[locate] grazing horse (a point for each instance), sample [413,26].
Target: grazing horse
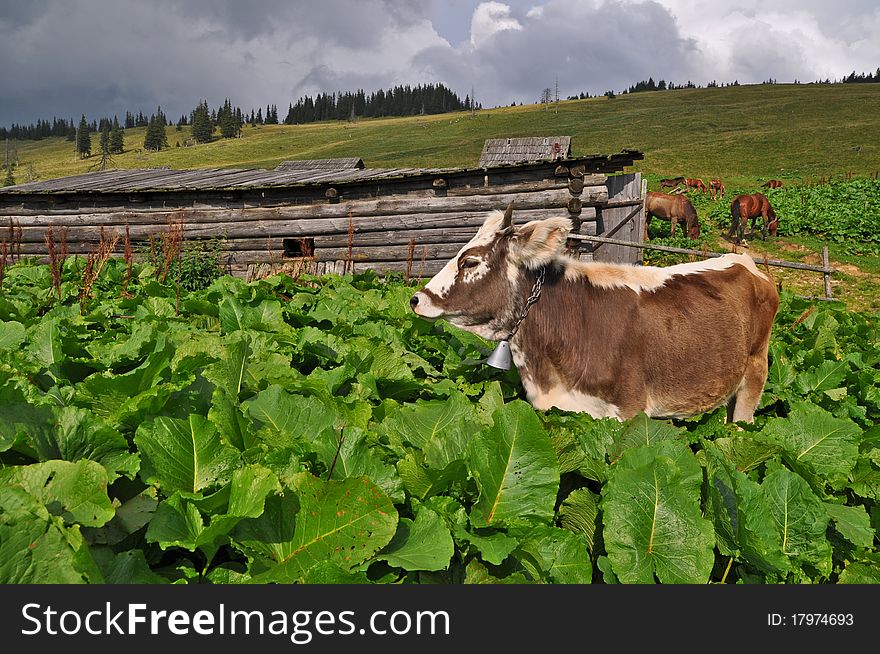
[672,208]
[610,340]
[671,182]
[773,183]
[752,206]
[695,183]
[716,188]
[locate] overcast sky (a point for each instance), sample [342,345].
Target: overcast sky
[103,57]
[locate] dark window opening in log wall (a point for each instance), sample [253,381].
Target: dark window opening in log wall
[299,247]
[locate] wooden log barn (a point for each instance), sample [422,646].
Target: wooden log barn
[333,215]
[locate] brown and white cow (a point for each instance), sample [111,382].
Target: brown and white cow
[612,340]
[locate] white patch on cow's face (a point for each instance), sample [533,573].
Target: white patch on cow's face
[650,278]
[442,282]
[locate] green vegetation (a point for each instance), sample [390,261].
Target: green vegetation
[743,134]
[316,430]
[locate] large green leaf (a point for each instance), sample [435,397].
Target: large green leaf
[800,517]
[178,521]
[12,335]
[229,373]
[860,573]
[45,345]
[265,316]
[515,468]
[579,512]
[75,433]
[652,520]
[343,522]
[821,448]
[75,491]
[36,547]
[355,457]
[440,428]
[554,555]
[421,544]
[745,452]
[184,455]
[286,418]
[744,525]
[826,377]
[640,431]
[853,522]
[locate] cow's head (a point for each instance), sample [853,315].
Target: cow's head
[485,286]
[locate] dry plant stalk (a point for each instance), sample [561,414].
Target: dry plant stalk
[129,256]
[153,253]
[349,261]
[13,242]
[95,261]
[410,252]
[170,247]
[54,264]
[2,261]
[422,264]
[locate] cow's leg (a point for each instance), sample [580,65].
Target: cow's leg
[674,221]
[647,222]
[748,396]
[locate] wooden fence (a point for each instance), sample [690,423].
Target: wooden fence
[825,268]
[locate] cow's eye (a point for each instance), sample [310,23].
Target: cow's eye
[468,262]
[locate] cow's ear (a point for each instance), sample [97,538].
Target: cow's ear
[535,244]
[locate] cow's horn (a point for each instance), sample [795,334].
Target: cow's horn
[508,217]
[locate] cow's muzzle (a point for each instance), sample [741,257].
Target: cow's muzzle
[423,307]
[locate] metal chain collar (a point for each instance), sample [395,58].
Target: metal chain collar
[536,293]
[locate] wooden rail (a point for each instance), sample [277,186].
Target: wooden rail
[825,268]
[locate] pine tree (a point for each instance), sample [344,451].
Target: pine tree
[9,181]
[155,138]
[83,139]
[105,138]
[117,138]
[202,129]
[226,120]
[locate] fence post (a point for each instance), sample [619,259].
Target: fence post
[826,271]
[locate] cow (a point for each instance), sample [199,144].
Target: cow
[606,339]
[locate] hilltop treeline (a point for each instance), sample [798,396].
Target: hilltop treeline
[397,101]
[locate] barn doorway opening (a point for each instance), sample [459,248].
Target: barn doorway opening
[296,248]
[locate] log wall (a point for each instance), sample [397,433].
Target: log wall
[413,227]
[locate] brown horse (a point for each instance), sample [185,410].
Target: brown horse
[752,206]
[773,183]
[671,182]
[716,188]
[672,208]
[695,183]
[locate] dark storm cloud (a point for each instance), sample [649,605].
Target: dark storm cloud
[68,57]
[590,48]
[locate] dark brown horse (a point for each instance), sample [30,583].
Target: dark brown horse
[773,183]
[752,206]
[672,208]
[671,182]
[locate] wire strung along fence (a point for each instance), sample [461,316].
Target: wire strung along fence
[825,268]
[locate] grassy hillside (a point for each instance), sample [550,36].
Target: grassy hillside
[743,134]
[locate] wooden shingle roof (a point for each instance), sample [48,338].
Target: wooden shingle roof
[143,180]
[342,163]
[520,150]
